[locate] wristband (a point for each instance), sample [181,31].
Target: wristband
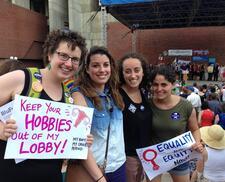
[99,178]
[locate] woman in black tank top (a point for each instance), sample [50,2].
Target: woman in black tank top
[63,50]
[137,114]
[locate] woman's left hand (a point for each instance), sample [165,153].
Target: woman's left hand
[90,140]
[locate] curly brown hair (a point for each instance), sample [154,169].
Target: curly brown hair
[73,39]
[86,84]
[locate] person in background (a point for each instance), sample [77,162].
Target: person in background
[220,118]
[210,71]
[172,116]
[214,103]
[222,93]
[202,72]
[212,167]
[98,88]
[63,50]
[195,86]
[184,92]
[185,71]
[137,114]
[8,65]
[206,116]
[194,99]
[202,94]
[216,70]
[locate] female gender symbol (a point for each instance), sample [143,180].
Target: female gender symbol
[155,166]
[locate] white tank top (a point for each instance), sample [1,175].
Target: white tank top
[214,168]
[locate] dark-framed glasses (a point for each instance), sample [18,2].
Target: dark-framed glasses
[65,57]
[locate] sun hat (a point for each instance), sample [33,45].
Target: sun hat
[213,136]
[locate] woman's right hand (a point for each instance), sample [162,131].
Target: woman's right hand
[9,128]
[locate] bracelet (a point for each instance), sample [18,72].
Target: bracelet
[99,178]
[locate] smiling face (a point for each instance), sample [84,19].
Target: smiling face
[64,69]
[132,72]
[99,70]
[161,87]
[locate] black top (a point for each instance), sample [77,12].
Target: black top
[137,124]
[46,170]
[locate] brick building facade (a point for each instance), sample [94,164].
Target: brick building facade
[22,33]
[152,43]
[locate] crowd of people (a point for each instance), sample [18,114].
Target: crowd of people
[208,101]
[133,106]
[199,71]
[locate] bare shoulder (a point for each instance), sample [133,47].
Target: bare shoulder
[13,74]
[176,99]
[10,84]
[79,98]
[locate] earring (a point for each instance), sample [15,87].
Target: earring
[49,66]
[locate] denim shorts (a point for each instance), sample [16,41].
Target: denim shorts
[180,170]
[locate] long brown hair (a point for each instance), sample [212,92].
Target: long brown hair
[86,84]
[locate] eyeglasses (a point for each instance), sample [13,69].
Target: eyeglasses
[65,57]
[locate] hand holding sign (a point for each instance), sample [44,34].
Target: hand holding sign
[164,156]
[46,130]
[9,128]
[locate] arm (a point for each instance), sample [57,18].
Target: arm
[216,119]
[200,165]
[90,164]
[199,118]
[197,174]
[2,137]
[92,168]
[193,127]
[10,84]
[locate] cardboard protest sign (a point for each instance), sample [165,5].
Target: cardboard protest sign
[48,130]
[5,114]
[6,111]
[164,156]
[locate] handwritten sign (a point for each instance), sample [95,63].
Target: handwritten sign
[164,156]
[6,111]
[5,114]
[48,130]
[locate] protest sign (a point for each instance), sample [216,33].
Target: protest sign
[5,114]
[6,111]
[48,130]
[164,156]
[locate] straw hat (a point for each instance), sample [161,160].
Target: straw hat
[213,136]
